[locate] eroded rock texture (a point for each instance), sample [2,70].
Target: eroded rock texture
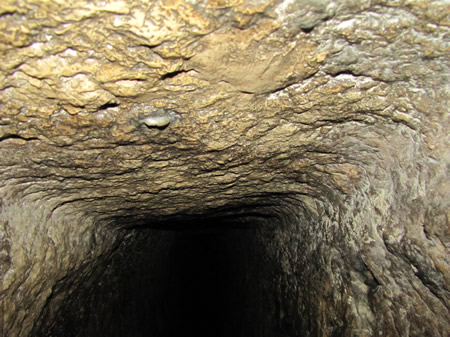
[224,168]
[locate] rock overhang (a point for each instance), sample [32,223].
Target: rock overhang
[327,119]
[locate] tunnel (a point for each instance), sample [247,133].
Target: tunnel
[204,275]
[229,168]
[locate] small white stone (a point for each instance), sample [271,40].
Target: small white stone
[71,52]
[156,121]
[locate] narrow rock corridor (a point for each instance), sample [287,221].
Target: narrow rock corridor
[224,168]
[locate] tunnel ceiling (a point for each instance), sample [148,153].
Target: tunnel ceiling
[120,112]
[262,97]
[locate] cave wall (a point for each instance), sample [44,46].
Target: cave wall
[323,123]
[121,294]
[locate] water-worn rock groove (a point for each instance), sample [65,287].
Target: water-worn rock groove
[263,168]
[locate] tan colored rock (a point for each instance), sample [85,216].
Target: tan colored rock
[297,150]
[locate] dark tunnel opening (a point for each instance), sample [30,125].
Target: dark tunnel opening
[201,284]
[185,278]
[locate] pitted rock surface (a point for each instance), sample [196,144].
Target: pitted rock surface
[325,123]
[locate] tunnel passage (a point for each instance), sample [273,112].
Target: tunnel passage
[115,115]
[196,277]
[284,266]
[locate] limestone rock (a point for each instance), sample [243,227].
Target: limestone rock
[296,149]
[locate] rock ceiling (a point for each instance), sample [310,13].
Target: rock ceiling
[121,112]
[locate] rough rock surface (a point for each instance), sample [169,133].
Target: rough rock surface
[302,144]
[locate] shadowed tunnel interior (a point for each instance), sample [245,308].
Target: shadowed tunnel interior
[203,276]
[264,269]
[203,265]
